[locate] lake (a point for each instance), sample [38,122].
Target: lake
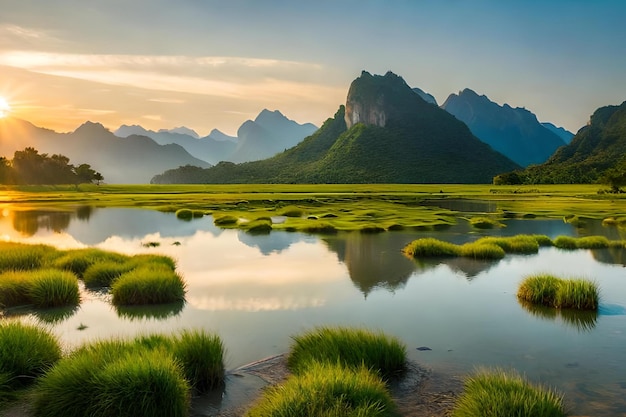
[256,291]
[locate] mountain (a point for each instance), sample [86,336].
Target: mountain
[596,148]
[134,159]
[514,132]
[207,148]
[428,98]
[183,130]
[564,134]
[271,132]
[385,133]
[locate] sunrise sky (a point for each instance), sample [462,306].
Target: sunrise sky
[213,64]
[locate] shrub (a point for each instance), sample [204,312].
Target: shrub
[153,283]
[429,247]
[202,358]
[26,352]
[326,390]
[53,288]
[560,293]
[504,394]
[350,348]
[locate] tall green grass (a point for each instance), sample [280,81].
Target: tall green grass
[431,247]
[524,244]
[202,358]
[79,260]
[26,352]
[351,348]
[483,251]
[43,288]
[150,375]
[153,283]
[23,257]
[326,390]
[506,394]
[565,242]
[548,290]
[104,273]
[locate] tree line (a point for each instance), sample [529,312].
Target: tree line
[29,167]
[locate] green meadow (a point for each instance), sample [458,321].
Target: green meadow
[327,208]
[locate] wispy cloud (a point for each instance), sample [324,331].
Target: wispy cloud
[167,100]
[231,77]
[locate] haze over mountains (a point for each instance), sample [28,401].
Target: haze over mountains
[514,132]
[269,133]
[386,133]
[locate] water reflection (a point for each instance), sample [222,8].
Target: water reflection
[468,267]
[615,256]
[583,321]
[150,312]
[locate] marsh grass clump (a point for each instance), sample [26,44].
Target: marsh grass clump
[503,394]
[321,228]
[430,247]
[23,257]
[202,358]
[26,352]
[43,288]
[545,289]
[523,244]
[291,211]
[592,242]
[142,259]
[53,288]
[114,378]
[482,251]
[184,214]
[351,348]
[485,223]
[259,226]
[543,240]
[153,283]
[104,273]
[326,390]
[565,242]
[225,220]
[79,260]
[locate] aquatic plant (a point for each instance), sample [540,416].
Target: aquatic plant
[348,347]
[225,220]
[24,257]
[501,393]
[524,244]
[592,242]
[14,288]
[184,214]
[430,247]
[327,390]
[53,288]
[151,283]
[104,273]
[565,242]
[484,223]
[291,211]
[26,352]
[78,260]
[483,251]
[551,291]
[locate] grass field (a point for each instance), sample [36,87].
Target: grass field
[339,207]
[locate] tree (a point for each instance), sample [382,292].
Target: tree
[85,174]
[615,177]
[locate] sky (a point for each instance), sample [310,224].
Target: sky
[211,64]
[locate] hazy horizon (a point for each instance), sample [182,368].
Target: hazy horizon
[212,64]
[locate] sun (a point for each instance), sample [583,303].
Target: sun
[5,109]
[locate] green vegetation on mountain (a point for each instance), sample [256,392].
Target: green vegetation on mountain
[385,134]
[596,154]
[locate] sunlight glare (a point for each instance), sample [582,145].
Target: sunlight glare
[4,107]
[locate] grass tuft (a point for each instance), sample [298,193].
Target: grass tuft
[23,257]
[152,283]
[202,358]
[565,242]
[548,290]
[26,352]
[291,211]
[326,390]
[53,288]
[79,260]
[430,247]
[225,220]
[485,223]
[351,348]
[483,251]
[103,274]
[592,242]
[504,394]
[184,214]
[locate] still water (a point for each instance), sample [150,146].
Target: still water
[257,291]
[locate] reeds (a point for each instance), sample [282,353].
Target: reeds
[26,352]
[504,394]
[548,290]
[202,358]
[350,348]
[327,390]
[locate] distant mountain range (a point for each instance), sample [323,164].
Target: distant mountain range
[271,132]
[596,148]
[134,159]
[386,133]
[514,132]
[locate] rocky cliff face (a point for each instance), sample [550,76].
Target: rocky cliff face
[369,100]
